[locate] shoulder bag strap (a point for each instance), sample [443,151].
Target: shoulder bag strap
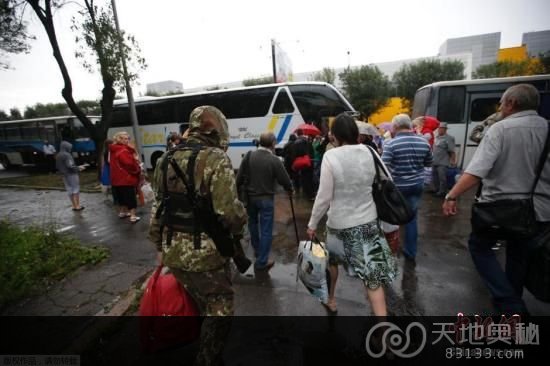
[542,161]
[379,165]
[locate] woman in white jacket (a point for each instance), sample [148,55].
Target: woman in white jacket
[347,174]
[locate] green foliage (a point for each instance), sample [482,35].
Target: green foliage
[4,116]
[531,66]
[367,88]
[39,110]
[32,258]
[15,114]
[99,45]
[258,81]
[327,75]
[13,31]
[410,77]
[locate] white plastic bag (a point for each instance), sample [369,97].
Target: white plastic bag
[148,193]
[335,247]
[388,228]
[313,268]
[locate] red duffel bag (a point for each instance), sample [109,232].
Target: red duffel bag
[301,162]
[169,316]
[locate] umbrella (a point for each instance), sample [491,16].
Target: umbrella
[308,129]
[387,126]
[367,129]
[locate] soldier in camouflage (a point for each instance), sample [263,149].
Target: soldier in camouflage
[204,272]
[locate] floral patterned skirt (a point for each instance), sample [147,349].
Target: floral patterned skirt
[367,252]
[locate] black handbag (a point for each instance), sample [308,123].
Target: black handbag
[391,206]
[538,266]
[509,218]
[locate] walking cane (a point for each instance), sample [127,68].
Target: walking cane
[294,218]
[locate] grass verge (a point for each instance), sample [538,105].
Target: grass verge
[33,258]
[88,181]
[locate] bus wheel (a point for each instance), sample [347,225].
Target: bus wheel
[156,155]
[4,161]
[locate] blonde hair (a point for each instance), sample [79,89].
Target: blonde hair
[117,138]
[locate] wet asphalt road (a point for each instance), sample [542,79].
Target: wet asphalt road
[443,281]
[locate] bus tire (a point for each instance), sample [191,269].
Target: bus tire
[5,161]
[155,157]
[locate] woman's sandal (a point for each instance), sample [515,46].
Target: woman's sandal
[135,219]
[330,307]
[124,215]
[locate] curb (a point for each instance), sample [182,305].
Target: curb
[117,308]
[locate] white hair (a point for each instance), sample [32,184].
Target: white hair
[402,121]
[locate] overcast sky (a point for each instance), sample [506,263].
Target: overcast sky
[215,41]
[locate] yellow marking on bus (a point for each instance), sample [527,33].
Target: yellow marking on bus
[272,123]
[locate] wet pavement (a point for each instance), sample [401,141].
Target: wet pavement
[443,281]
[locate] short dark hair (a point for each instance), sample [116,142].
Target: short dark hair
[344,129]
[267,139]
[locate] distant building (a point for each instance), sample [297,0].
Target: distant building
[536,42]
[483,47]
[165,87]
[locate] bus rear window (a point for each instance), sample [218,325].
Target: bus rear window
[450,107]
[317,101]
[421,99]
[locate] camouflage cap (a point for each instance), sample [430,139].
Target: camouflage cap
[214,129]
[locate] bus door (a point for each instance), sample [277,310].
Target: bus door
[479,107]
[285,116]
[451,105]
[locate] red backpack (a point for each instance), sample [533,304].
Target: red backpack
[169,314]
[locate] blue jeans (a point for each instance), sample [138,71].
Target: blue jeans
[412,194]
[261,237]
[506,286]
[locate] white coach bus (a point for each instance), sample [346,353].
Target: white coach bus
[463,104]
[279,108]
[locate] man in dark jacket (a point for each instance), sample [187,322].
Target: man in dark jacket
[264,170]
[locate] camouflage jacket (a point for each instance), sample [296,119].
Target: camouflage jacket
[214,179]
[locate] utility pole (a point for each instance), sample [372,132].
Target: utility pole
[129,93]
[273,60]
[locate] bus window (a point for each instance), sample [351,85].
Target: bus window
[311,99]
[12,132]
[421,99]
[451,104]
[46,130]
[121,117]
[483,108]
[544,107]
[29,131]
[283,103]
[79,131]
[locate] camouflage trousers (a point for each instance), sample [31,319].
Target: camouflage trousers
[213,294]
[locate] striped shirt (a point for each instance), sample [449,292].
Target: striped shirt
[406,155]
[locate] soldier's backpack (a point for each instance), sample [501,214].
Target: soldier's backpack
[187,211]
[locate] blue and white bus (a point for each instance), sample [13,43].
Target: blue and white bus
[250,111]
[22,141]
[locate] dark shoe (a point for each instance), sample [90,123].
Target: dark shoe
[79,208]
[267,267]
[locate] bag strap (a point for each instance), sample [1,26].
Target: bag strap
[246,168]
[190,188]
[378,164]
[542,161]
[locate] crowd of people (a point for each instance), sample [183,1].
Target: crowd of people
[337,173]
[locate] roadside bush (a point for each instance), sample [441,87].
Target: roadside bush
[33,258]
